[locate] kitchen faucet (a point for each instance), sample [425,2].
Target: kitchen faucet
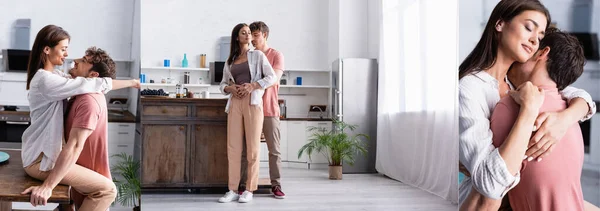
[317,107]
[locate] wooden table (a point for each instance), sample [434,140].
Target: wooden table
[14,180]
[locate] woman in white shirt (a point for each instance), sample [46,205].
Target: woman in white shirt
[512,34]
[245,76]
[43,154]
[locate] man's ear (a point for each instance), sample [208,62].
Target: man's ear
[543,53]
[93,74]
[266,35]
[499,25]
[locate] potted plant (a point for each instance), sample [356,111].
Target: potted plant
[336,144]
[128,184]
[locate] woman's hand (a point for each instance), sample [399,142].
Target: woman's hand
[233,90]
[552,127]
[246,89]
[528,96]
[135,83]
[39,194]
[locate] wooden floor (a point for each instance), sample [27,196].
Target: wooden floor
[311,190]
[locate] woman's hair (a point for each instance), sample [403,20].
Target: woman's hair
[234,50]
[48,36]
[485,52]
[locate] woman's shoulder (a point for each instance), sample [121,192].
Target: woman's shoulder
[255,53]
[476,79]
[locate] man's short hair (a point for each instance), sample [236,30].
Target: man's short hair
[259,26]
[565,59]
[101,62]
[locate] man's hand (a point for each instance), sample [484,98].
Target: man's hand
[39,194]
[551,127]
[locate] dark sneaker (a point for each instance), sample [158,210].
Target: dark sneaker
[277,192]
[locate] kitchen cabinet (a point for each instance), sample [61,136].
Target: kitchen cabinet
[184,143]
[164,154]
[121,138]
[207,163]
[296,138]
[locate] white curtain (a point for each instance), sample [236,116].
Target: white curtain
[417,133]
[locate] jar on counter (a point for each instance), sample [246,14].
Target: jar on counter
[178,91]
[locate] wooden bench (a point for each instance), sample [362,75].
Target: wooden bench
[14,180]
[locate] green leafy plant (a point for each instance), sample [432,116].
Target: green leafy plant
[335,144]
[128,186]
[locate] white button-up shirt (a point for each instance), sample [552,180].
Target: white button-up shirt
[47,92]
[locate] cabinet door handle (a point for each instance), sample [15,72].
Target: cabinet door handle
[181,128]
[123,133]
[121,145]
[123,125]
[164,110]
[324,123]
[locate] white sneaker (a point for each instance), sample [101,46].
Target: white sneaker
[245,197]
[229,196]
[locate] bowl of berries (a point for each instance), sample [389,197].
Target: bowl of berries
[154,93]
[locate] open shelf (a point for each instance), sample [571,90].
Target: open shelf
[308,70]
[305,86]
[171,85]
[175,68]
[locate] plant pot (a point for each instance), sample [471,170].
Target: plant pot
[137,208]
[335,172]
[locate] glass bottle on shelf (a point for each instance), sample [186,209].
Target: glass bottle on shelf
[283,80]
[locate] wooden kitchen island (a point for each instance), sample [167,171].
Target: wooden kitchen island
[184,143]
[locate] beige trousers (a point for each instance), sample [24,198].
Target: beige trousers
[100,191]
[272,136]
[243,121]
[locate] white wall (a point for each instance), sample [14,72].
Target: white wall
[298,29]
[103,23]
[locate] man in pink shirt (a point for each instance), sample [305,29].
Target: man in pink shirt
[260,34]
[89,111]
[553,183]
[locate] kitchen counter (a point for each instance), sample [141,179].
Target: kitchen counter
[120,116]
[20,113]
[305,119]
